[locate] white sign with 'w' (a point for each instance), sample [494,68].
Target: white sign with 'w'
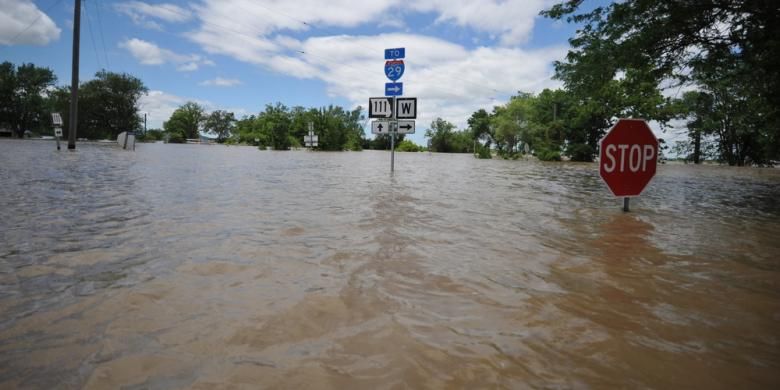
[406,108]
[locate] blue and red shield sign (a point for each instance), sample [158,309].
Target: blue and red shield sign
[394,69]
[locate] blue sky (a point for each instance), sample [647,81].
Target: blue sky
[239,55]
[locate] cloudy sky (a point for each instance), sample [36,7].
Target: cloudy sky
[239,55]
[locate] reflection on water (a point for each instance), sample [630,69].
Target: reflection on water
[179,266]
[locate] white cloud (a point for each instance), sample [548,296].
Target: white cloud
[22,23]
[513,21]
[450,80]
[159,105]
[141,13]
[221,82]
[148,53]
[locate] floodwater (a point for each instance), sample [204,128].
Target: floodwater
[188,266]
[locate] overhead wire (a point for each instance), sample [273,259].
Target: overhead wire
[40,14]
[100,31]
[91,35]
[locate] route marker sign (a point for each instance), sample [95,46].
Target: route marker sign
[405,127]
[380,127]
[380,107]
[394,69]
[628,155]
[406,108]
[394,54]
[394,89]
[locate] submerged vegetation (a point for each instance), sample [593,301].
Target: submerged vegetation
[622,62]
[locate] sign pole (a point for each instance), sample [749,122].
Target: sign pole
[625,204]
[392,149]
[74,84]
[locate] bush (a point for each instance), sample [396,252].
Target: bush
[580,152]
[548,155]
[483,152]
[407,146]
[176,138]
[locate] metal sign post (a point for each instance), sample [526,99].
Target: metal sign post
[393,109]
[311,140]
[56,121]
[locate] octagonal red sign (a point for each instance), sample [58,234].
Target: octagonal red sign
[628,155]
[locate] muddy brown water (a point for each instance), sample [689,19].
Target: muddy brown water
[187,266]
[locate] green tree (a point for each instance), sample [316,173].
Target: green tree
[221,123]
[23,92]
[704,43]
[479,125]
[408,146]
[108,105]
[444,138]
[186,121]
[274,124]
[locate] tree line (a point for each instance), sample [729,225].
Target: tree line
[108,104]
[722,56]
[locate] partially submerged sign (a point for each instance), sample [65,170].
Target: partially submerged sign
[628,155]
[380,107]
[380,127]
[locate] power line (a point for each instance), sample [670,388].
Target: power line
[100,30]
[40,14]
[91,35]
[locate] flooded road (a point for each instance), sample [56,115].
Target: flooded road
[187,266]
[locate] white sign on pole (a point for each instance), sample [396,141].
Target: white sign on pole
[380,127]
[406,108]
[405,127]
[57,132]
[381,107]
[56,119]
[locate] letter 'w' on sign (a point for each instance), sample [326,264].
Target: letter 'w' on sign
[406,108]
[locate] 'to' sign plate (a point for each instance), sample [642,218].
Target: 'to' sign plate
[394,69]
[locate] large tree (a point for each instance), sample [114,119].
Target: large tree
[220,123]
[186,121]
[23,93]
[108,105]
[649,42]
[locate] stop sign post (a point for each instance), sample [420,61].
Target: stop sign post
[628,155]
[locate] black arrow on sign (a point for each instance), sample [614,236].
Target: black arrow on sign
[407,127]
[379,127]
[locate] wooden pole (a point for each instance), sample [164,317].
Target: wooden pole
[74,83]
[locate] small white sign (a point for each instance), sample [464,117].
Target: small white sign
[406,108]
[381,107]
[56,119]
[311,138]
[405,127]
[58,132]
[380,127]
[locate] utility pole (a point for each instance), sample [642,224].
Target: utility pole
[144,123]
[74,83]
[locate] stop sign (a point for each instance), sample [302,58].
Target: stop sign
[628,154]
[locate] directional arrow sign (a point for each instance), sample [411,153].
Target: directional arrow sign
[380,107]
[394,69]
[405,127]
[380,127]
[394,89]
[406,108]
